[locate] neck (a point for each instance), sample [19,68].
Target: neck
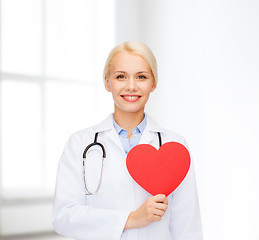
[128,120]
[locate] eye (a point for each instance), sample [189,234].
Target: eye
[142,77]
[120,77]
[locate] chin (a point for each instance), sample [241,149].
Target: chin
[134,110]
[130,110]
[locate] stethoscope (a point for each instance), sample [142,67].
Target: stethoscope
[95,143]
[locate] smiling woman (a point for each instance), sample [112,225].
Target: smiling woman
[120,208]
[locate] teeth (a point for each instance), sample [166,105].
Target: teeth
[131,97]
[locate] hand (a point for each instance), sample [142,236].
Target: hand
[150,211]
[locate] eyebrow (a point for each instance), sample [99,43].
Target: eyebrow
[125,72]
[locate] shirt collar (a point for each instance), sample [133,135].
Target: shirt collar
[140,127]
[107,125]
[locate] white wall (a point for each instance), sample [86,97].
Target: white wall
[208,58]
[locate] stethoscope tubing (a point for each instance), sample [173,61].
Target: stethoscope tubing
[95,143]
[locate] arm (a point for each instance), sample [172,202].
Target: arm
[71,216]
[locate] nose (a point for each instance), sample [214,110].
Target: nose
[132,84]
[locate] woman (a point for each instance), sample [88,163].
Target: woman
[119,207]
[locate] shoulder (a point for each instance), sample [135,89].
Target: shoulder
[171,136]
[166,134]
[87,134]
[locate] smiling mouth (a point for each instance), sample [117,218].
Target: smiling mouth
[131,98]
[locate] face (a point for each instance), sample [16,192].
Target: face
[130,81]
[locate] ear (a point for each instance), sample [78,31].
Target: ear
[106,84]
[153,87]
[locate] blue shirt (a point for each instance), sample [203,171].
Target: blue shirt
[135,137]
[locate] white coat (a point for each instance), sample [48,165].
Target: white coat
[103,216]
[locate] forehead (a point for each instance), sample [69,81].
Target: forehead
[128,61]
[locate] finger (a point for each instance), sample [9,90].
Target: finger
[160,206]
[161,198]
[159,212]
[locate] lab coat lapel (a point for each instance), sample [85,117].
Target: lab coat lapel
[151,128]
[113,135]
[107,126]
[147,136]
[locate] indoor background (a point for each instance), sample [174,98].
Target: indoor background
[52,54]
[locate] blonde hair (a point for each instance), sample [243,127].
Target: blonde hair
[133,47]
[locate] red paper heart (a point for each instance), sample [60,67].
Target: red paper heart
[158,171]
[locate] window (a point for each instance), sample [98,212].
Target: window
[52,55]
